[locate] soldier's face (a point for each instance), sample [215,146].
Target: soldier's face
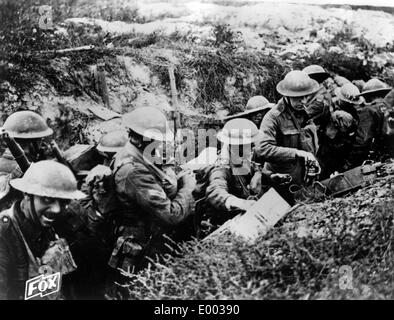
[31,147]
[257,118]
[299,103]
[48,209]
[240,151]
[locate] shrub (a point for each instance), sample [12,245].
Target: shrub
[353,234]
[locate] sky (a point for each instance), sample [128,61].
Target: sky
[384,3]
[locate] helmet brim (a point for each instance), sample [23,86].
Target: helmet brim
[108,149]
[157,135]
[249,112]
[208,156]
[382,91]
[222,137]
[341,97]
[38,190]
[319,76]
[31,135]
[289,93]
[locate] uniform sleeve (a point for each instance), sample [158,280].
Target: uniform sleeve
[267,148]
[316,108]
[217,190]
[4,263]
[319,109]
[368,129]
[141,186]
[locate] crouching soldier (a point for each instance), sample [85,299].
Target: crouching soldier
[28,129]
[235,183]
[289,141]
[151,205]
[369,143]
[28,244]
[336,139]
[320,104]
[97,184]
[110,143]
[256,108]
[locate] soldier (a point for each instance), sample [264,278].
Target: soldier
[347,98]
[28,129]
[319,107]
[374,92]
[28,244]
[97,182]
[369,136]
[150,203]
[110,143]
[289,142]
[235,182]
[335,141]
[255,110]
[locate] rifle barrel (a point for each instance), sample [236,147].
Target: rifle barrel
[17,152]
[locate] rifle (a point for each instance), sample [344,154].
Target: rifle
[60,158]
[175,113]
[16,150]
[340,184]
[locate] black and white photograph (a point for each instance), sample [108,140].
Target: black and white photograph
[210,151]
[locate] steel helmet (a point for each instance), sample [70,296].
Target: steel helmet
[255,104]
[207,157]
[316,72]
[239,131]
[48,178]
[26,125]
[375,86]
[112,141]
[297,84]
[340,81]
[359,84]
[349,93]
[149,122]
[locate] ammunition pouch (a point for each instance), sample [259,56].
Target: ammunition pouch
[58,256]
[125,254]
[128,250]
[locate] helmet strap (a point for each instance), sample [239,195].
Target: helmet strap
[33,209]
[291,108]
[135,139]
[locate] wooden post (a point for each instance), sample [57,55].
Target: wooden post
[102,83]
[175,113]
[174,94]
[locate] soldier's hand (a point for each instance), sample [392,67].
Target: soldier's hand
[280,178]
[255,184]
[306,156]
[342,120]
[98,173]
[335,173]
[187,179]
[234,203]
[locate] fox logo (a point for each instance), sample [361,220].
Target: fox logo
[42,285]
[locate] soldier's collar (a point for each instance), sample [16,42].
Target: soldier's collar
[31,231]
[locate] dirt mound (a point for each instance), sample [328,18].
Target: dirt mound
[222,55]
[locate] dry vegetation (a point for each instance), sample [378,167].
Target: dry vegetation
[217,67]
